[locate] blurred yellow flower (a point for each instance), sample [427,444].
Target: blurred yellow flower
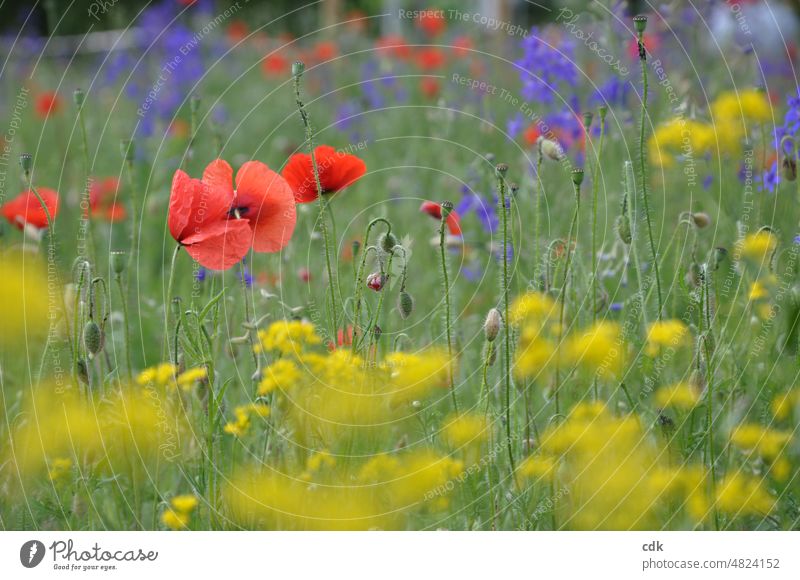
[666,334]
[280,375]
[681,396]
[597,349]
[288,337]
[742,106]
[24,296]
[758,247]
[739,494]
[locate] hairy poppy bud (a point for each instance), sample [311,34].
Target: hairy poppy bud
[492,324]
[550,149]
[447,208]
[356,246]
[26,162]
[501,169]
[92,337]
[719,256]
[701,219]
[789,169]
[492,352]
[577,176]
[128,148]
[79,97]
[514,188]
[376,281]
[118,262]
[405,304]
[387,242]
[623,228]
[298,68]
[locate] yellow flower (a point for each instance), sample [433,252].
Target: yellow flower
[175,520]
[187,379]
[288,337]
[60,469]
[536,467]
[160,375]
[783,405]
[533,356]
[241,423]
[680,136]
[666,334]
[758,247]
[280,375]
[413,376]
[466,431]
[532,307]
[316,460]
[747,105]
[184,503]
[768,443]
[740,495]
[681,396]
[24,296]
[598,349]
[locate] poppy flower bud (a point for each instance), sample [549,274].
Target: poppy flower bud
[26,162]
[298,68]
[587,119]
[92,337]
[550,149]
[701,219]
[492,324]
[376,281]
[789,169]
[640,23]
[603,110]
[514,188]
[356,247]
[719,256]
[82,371]
[127,147]
[194,104]
[577,176]
[118,262]
[405,304]
[447,208]
[501,169]
[387,242]
[79,97]
[623,228]
[377,332]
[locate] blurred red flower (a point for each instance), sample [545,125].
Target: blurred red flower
[434,210]
[429,59]
[393,45]
[26,209]
[276,65]
[48,103]
[337,170]
[432,22]
[103,200]
[430,87]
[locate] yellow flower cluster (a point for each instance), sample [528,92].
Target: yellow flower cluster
[287,337]
[747,105]
[768,444]
[165,375]
[381,494]
[177,516]
[757,247]
[24,297]
[241,423]
[682,396]
[666,334]
[618,476]
[783,405]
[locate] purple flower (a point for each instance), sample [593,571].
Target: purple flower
[546,69]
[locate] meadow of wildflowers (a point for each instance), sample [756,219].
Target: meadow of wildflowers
[413,268]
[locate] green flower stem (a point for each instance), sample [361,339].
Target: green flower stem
[322,204]
[447,321]
[643,176]
[504,289]
[85,217]
[126,323]
[537,203]
[358,290]
[168,300]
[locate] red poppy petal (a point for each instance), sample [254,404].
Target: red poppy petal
[347,170]
[220,244]
[299,174]
[181,200]
[454,223]
[270,203]
[219,174]
[431,208]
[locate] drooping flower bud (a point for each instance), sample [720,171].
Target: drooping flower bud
[92,338]
[376,281]
[492,324]
[387,242]
[789,169]
[701,219]
[405,304]
[82,371]
[719,256]
[513,188]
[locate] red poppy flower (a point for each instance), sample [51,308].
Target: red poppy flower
[103,200]
[26,209]
[432,22]
[435,210]
[430,87]
[393,45]
[325,51]
[531,134]
[429,59]
[337,170]
[47,104]
[217,224]
[237,31]
[344,338]
[651,44]
[275,65]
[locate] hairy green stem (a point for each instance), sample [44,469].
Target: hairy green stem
[447,321]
